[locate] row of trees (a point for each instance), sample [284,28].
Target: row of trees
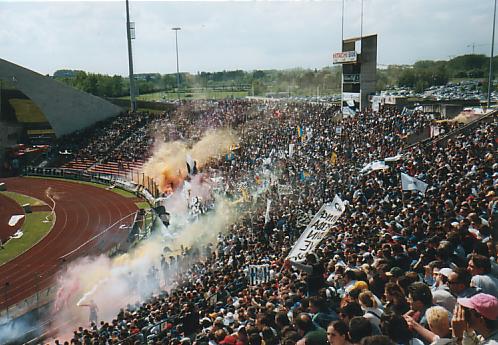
[259,82]
[325,81]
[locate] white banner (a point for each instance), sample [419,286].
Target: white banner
[259,274]
[317,229]
[267,213]
[393,158]
[373,166]
[412,183]
[291,150]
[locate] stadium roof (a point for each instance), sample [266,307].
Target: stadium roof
[354,39]
[65,108]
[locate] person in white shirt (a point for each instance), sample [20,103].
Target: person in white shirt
[369,304]
[480,268]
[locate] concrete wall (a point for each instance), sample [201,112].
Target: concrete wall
[368,75]
[366,67]
[65,108]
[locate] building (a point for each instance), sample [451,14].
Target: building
[359,71]
[35,108]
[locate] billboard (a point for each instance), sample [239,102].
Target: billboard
[344,57]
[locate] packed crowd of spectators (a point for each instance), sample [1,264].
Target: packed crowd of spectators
[125,137]
[397,268]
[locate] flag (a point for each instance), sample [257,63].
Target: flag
[245,194]
[267,213]
[304,175]
[191,165]
[259,274]
[299,132]
[373,166]
[291,150]
[309,132]
[333,158]
[412,183]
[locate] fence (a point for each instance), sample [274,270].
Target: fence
[131,181]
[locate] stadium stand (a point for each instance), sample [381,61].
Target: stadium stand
[405,264]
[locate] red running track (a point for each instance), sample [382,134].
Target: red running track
[82,211]
[8,208]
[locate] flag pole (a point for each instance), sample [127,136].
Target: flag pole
[402,192]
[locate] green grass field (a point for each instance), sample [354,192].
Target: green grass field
[34,230]
[142,204]
[22,199]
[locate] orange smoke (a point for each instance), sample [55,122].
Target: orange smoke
[168,163]
[169,181]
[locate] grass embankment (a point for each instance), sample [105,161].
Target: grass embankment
[35,228]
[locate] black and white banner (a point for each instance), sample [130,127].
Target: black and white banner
[259,274]
[317,229]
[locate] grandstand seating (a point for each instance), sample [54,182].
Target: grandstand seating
[80,164]
[117,168]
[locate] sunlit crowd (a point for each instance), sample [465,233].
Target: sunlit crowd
[398,267]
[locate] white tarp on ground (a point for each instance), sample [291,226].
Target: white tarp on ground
[15,219]
[18,234]
[317,229]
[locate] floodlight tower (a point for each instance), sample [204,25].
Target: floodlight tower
[130,34]
[490,77]
[177,64]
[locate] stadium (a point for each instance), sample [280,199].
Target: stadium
[370,219]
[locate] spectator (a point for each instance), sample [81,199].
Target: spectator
[476,316]
[337,333]
[420,299]
[311,334]
[359,328]
[480,268]
[459,283]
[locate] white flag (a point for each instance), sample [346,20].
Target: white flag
[373,166]
[291,150]
[190,164]
[412,183]
[267,213]
[317,229]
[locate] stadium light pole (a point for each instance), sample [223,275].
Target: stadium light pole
[133,102]
[177,63]
[490,78]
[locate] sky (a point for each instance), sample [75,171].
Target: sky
[228,35]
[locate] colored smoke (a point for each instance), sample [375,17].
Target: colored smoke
[168,165]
